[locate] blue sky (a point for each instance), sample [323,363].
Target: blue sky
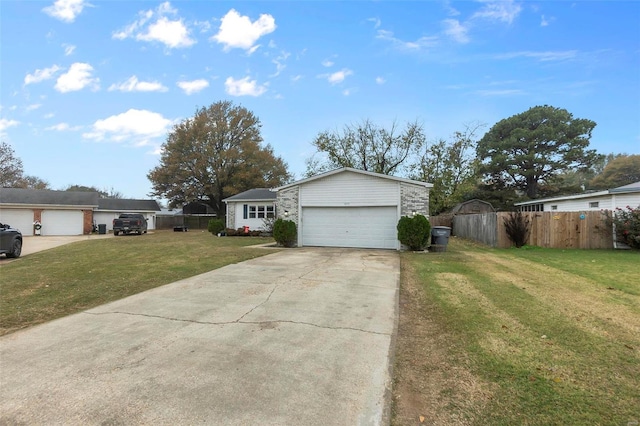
[89,89]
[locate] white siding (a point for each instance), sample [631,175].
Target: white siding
[605,202]
[350,189]
[21,219]
[252,223]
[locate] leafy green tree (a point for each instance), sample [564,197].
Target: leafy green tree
[527,151]
[451,167]
[366,146]
[12,174]
[104,193]
[217,153]
[621,170]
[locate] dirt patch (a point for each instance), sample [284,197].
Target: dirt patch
[430,387]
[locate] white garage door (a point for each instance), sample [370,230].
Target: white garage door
[363,227]
[18,218]
[62,222]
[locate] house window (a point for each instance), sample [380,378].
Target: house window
[554,207]
[259,212]
[594,204]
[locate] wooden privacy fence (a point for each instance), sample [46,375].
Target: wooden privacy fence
[192,222]
[581,230]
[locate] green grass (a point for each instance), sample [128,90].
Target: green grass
[78,276]
[554,333]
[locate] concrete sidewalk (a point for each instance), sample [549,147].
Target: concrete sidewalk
[301,336]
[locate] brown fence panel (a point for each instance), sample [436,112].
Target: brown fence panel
[580,230]
[441,220]
[478,227]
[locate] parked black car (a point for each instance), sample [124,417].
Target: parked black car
[10,241]
[130,222]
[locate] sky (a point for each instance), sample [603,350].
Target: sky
[90,89]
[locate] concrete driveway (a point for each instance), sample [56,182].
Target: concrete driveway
[298,337]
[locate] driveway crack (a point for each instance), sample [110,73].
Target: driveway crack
[238,321]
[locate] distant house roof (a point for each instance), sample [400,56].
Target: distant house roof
[44,197]
[632,187]
[257,194]
[363,172]
[169,212]
[123,204]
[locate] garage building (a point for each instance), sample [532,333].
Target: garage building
[351,208]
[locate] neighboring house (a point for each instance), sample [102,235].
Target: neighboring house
[110,208]
[64,212]
[59,212]
[351,208]
[250,208]
[621,197]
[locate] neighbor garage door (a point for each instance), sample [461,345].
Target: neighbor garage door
[62,222]
[364,227]
[18,218]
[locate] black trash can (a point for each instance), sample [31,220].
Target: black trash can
[102,228]
[440,238]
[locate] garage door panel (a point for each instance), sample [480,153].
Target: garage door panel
[62,222]
[21,219]
[362,227]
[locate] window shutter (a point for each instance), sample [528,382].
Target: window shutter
[246,209]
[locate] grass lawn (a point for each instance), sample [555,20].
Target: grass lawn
[531,336]
[78,276]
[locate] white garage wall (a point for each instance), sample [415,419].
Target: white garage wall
[350,189]
[18,218]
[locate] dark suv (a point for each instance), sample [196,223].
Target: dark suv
[10,241]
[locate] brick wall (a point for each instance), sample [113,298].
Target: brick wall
[288,201]
[87,224]
[414,198]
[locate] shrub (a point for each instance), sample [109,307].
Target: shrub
[626,224]
[215,226]
[414,231]
[517,228]
[285,232]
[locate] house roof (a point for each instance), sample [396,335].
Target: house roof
[128,205]
[632,187]
[44,197]
[363,172]
[257,194]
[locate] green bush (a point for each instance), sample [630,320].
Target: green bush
[517,228]
[627,225]
[414,231]
[215,226]
[285,232]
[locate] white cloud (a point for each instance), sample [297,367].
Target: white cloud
[296,78]
[194,86]
[244,87]
[61,127]
[49,115]
[153,25]
[77,78]
[136,126]
[503,92]
[5,124]
[327,63]
[280,63]
[238,31]
[501,10]
[68,49]
[544,21]
[338,76]
[172,33]
[132,84]
[65,10]
[419,44]
[41,75]
[376,22]
[541,56]
[346,92]
[456,30]
[380,80]
[32,107]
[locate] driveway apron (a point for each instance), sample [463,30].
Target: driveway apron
[298,337]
